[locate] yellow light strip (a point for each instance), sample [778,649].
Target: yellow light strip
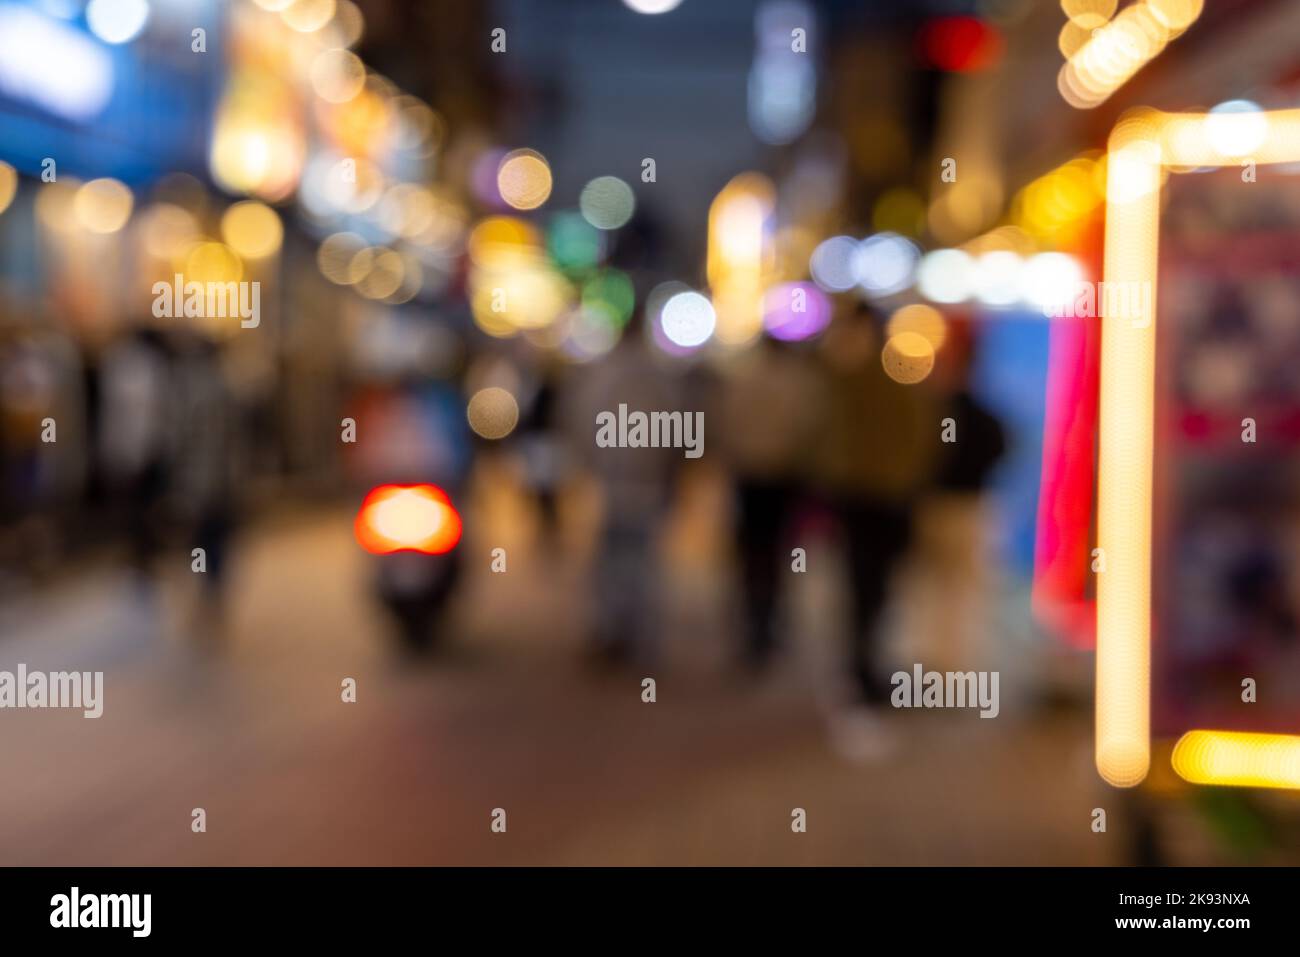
[1238,759]
[1141,147]
[1126,425]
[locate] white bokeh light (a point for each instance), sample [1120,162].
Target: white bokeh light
[652,6]
[946,275]
[885,263]
[997,278]
[688,319]
[607,202]
[117,21]
[1050,282]
[831,263]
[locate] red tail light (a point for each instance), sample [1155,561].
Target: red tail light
[412,518]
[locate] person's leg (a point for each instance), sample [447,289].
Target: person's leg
[213,535]
[641,574]
[145,506]
[877,537]
[762,510]
[625,577]
[548,512]
[604,631]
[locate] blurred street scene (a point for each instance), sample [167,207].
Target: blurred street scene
[542,432]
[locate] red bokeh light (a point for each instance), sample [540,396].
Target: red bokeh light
[959,44]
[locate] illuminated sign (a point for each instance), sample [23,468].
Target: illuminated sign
[1143,149]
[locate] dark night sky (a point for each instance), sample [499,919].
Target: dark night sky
[619,87]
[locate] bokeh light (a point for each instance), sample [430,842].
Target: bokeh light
[908,357]
[998,278]
[524,179]
[925,321]
[688,319]
[493,413]
[1103,56]
[407,209]
[1056,207]
[946,275]
[412,280]
[55,204]
[377,272]
[337,75]
[1176,15]
[117,21]
[652,6]
[335,255]
[960,44]
[167,231]
[607,202]
[257,144]
[418,127]
[517,298]
[348,24]
[502,241]
[609,294]
[885,263]
[589,335]
[1072,38]
[1051,282]
[308,16]
[572,242]
[831,264]
[8,185]
[795,310]
[213,262]
[252,229]
[418,518]
[1088,14]
[103,205]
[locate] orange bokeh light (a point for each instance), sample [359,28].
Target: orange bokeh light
[407,518]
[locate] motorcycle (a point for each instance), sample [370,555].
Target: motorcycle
[413,531]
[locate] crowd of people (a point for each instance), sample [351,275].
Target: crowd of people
[811,435]
[154,439]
